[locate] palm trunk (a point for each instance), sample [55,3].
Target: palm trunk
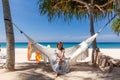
[94,45]
[92,24]
[92,31]
[118,7]
[10,60]
[119,4]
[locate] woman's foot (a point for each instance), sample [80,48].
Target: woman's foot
[56,75]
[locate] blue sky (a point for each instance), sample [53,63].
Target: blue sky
[25,15]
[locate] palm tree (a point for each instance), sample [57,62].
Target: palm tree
[94,9]
[10,60]
[116,23]
[116,26]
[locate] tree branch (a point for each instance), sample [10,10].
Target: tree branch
[81,2]
[54,7]
[81,6]
[99,8]
[106,3]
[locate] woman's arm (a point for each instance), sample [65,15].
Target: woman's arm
[62,54]
[57,56]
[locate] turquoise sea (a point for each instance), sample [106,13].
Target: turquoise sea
[66,44]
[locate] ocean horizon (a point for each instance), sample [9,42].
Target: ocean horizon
[66,44]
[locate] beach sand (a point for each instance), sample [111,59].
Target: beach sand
[31,70]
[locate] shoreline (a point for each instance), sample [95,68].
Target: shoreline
[66,44]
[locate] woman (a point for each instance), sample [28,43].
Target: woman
[59,52]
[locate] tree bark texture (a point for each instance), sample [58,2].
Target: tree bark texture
[10,60]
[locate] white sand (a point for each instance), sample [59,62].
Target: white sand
[21,53]
[114,53]
[25,70]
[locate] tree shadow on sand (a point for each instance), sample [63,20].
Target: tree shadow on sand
[34,71]
[25,66]
[77,72]
[83,67]
[85,71]
[80,71]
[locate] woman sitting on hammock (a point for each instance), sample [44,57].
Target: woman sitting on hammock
[59,52]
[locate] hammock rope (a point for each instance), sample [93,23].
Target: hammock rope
[101,29]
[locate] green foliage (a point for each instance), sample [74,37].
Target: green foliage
[116,26]
[116,6]
[68,9]
[60,9]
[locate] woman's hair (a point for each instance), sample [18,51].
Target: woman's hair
[61,45]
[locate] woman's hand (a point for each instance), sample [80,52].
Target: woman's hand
[61,59]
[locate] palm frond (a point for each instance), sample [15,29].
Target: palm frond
[116,26]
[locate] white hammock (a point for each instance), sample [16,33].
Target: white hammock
[71,54]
